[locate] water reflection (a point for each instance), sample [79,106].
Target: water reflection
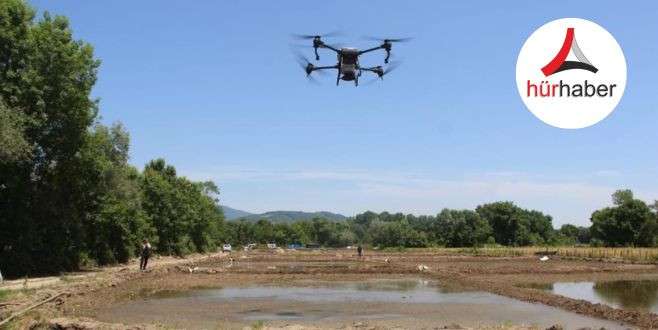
[636,294]
[316,301]
[392,291]
[630,294]
[390,285]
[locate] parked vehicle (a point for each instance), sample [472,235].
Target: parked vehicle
[227,248]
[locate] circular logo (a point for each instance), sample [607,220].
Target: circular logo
[571,73]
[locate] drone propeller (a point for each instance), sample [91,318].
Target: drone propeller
[317,41]
[381,72]
[317,36]
[388,40]
[334,45]
[308,67]
[305,64]
[387,44]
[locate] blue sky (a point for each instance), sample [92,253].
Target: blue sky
[212,87]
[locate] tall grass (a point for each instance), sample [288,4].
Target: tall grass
[4,294]
[627,253]
[648,255]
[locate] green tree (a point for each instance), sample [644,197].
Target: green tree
[116,222]
[513,225]
[160,201]
[462,228]
[67,192]
[622,196]
[569,230]
[13,144]
[185,214]
[45,81]
[396,234]
[240,232]
[629,222]
[303,232]
[263,231]
[505,221]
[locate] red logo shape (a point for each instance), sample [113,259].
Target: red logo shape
[559,62]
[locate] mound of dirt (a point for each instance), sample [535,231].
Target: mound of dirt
[63,323]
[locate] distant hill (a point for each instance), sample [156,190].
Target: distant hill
[280,216]
[231,213]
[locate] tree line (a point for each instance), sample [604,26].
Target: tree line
[629,222]
[501,223]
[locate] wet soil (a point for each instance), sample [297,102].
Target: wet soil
[500,276]
[409,303]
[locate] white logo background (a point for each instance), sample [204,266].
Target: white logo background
[600,48]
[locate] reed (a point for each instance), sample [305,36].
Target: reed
[633,254]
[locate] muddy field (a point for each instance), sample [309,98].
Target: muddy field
[336,289]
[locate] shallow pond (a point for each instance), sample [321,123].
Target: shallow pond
[413,303]
[634,294]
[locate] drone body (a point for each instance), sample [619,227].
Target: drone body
[348,68]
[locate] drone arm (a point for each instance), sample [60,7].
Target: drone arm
[370,49]
[320,44]
[329,47]
[385,46]
[325,67]
[372,69]
[376,70]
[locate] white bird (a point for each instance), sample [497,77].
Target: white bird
[544,258]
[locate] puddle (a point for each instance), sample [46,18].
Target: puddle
[416,303]
[382,291]
[634,295]
[390,291]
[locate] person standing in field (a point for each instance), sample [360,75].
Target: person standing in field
[359,251]
[145,254]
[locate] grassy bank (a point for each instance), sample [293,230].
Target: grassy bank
[645,255]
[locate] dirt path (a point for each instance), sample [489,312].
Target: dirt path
[133,265]
[27,292]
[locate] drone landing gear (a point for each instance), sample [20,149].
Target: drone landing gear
[387,48]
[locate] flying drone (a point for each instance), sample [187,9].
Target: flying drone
[348,67]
